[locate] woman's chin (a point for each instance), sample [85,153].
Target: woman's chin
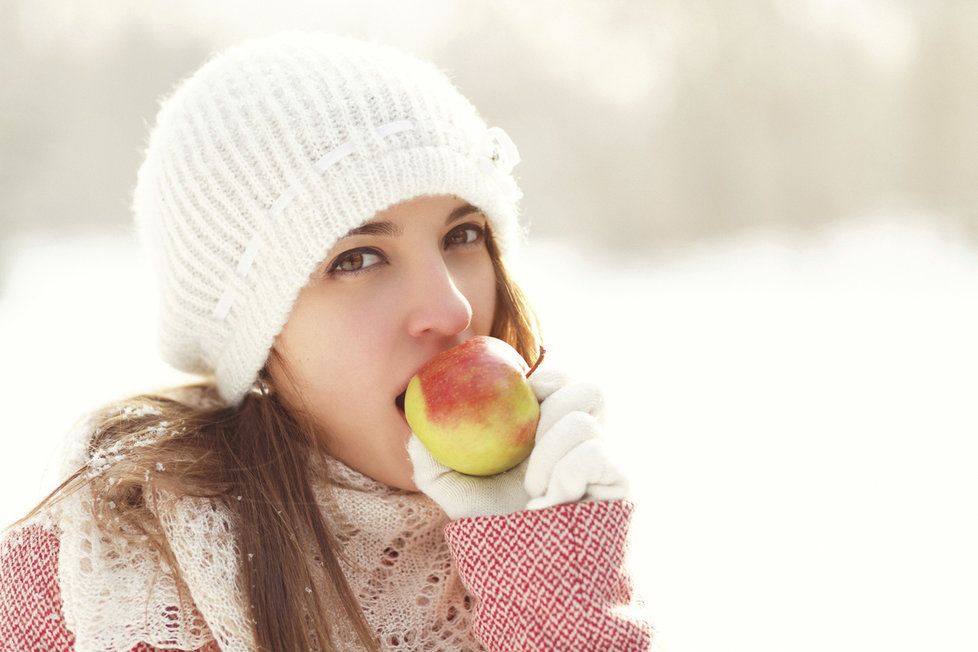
[405,484]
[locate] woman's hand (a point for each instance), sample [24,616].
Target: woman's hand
[462,495]
[567,464]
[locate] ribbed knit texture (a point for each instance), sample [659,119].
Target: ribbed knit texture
[268,154]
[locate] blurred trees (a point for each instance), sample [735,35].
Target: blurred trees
[640,124]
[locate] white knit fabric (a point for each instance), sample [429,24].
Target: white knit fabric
[396,560]
[273,150]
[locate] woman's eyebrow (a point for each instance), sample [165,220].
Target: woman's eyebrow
[389,229]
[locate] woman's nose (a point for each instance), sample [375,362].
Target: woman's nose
[437,304]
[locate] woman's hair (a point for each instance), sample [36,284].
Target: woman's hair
[255,459]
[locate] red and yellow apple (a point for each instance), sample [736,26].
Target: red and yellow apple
[473,408]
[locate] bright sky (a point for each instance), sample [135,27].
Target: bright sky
[797,418]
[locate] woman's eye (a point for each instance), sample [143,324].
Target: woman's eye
[353,262]
[462,231]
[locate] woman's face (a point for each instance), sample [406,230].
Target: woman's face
[414,281]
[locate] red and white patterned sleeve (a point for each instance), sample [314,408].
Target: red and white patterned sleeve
[551,579]
[30,598]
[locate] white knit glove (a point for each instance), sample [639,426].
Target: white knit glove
[462,495]
[567,463]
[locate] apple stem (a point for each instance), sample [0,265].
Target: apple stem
[537,363]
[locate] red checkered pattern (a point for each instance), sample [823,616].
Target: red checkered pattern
[550,579]
[30,600]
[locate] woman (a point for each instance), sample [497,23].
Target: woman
[325,215]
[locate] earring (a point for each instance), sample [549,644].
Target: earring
[261,387]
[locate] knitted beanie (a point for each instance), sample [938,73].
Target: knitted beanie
[261,160]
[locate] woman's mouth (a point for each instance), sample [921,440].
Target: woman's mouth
[399,404]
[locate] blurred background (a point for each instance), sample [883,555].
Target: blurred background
[754,223]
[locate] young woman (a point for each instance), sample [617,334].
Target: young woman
[325,215]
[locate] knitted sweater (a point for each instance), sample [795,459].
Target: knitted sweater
[551,579]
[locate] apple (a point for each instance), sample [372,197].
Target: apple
[473,408]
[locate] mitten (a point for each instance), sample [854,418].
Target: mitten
[462,495]
[569,462]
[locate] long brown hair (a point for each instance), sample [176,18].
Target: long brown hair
[255,459]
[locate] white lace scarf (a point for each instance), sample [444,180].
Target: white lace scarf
[401,571]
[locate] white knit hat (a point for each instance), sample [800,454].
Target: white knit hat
[273,150]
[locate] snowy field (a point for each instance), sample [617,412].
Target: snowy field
[797,416]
